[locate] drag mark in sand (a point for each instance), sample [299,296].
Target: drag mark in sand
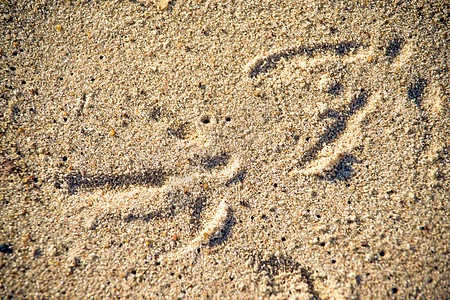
[347,109]
[161,197]
[328,157]
[215,224]
[170,198]
[263,63]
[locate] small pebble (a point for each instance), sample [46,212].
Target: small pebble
[258,93]
[91,223]
[72,261]
[163,4]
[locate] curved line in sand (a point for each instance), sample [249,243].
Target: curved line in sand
[347,142]
[214,225]
[262,62]
[219,218]
[135,196]
[328,157]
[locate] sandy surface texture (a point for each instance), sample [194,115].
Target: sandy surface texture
[224,149]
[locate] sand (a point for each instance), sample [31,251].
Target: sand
[214,149]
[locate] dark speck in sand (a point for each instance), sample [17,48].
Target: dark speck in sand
[394,48]
[5,248]
[415,91]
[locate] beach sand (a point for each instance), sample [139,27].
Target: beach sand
[215,149]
